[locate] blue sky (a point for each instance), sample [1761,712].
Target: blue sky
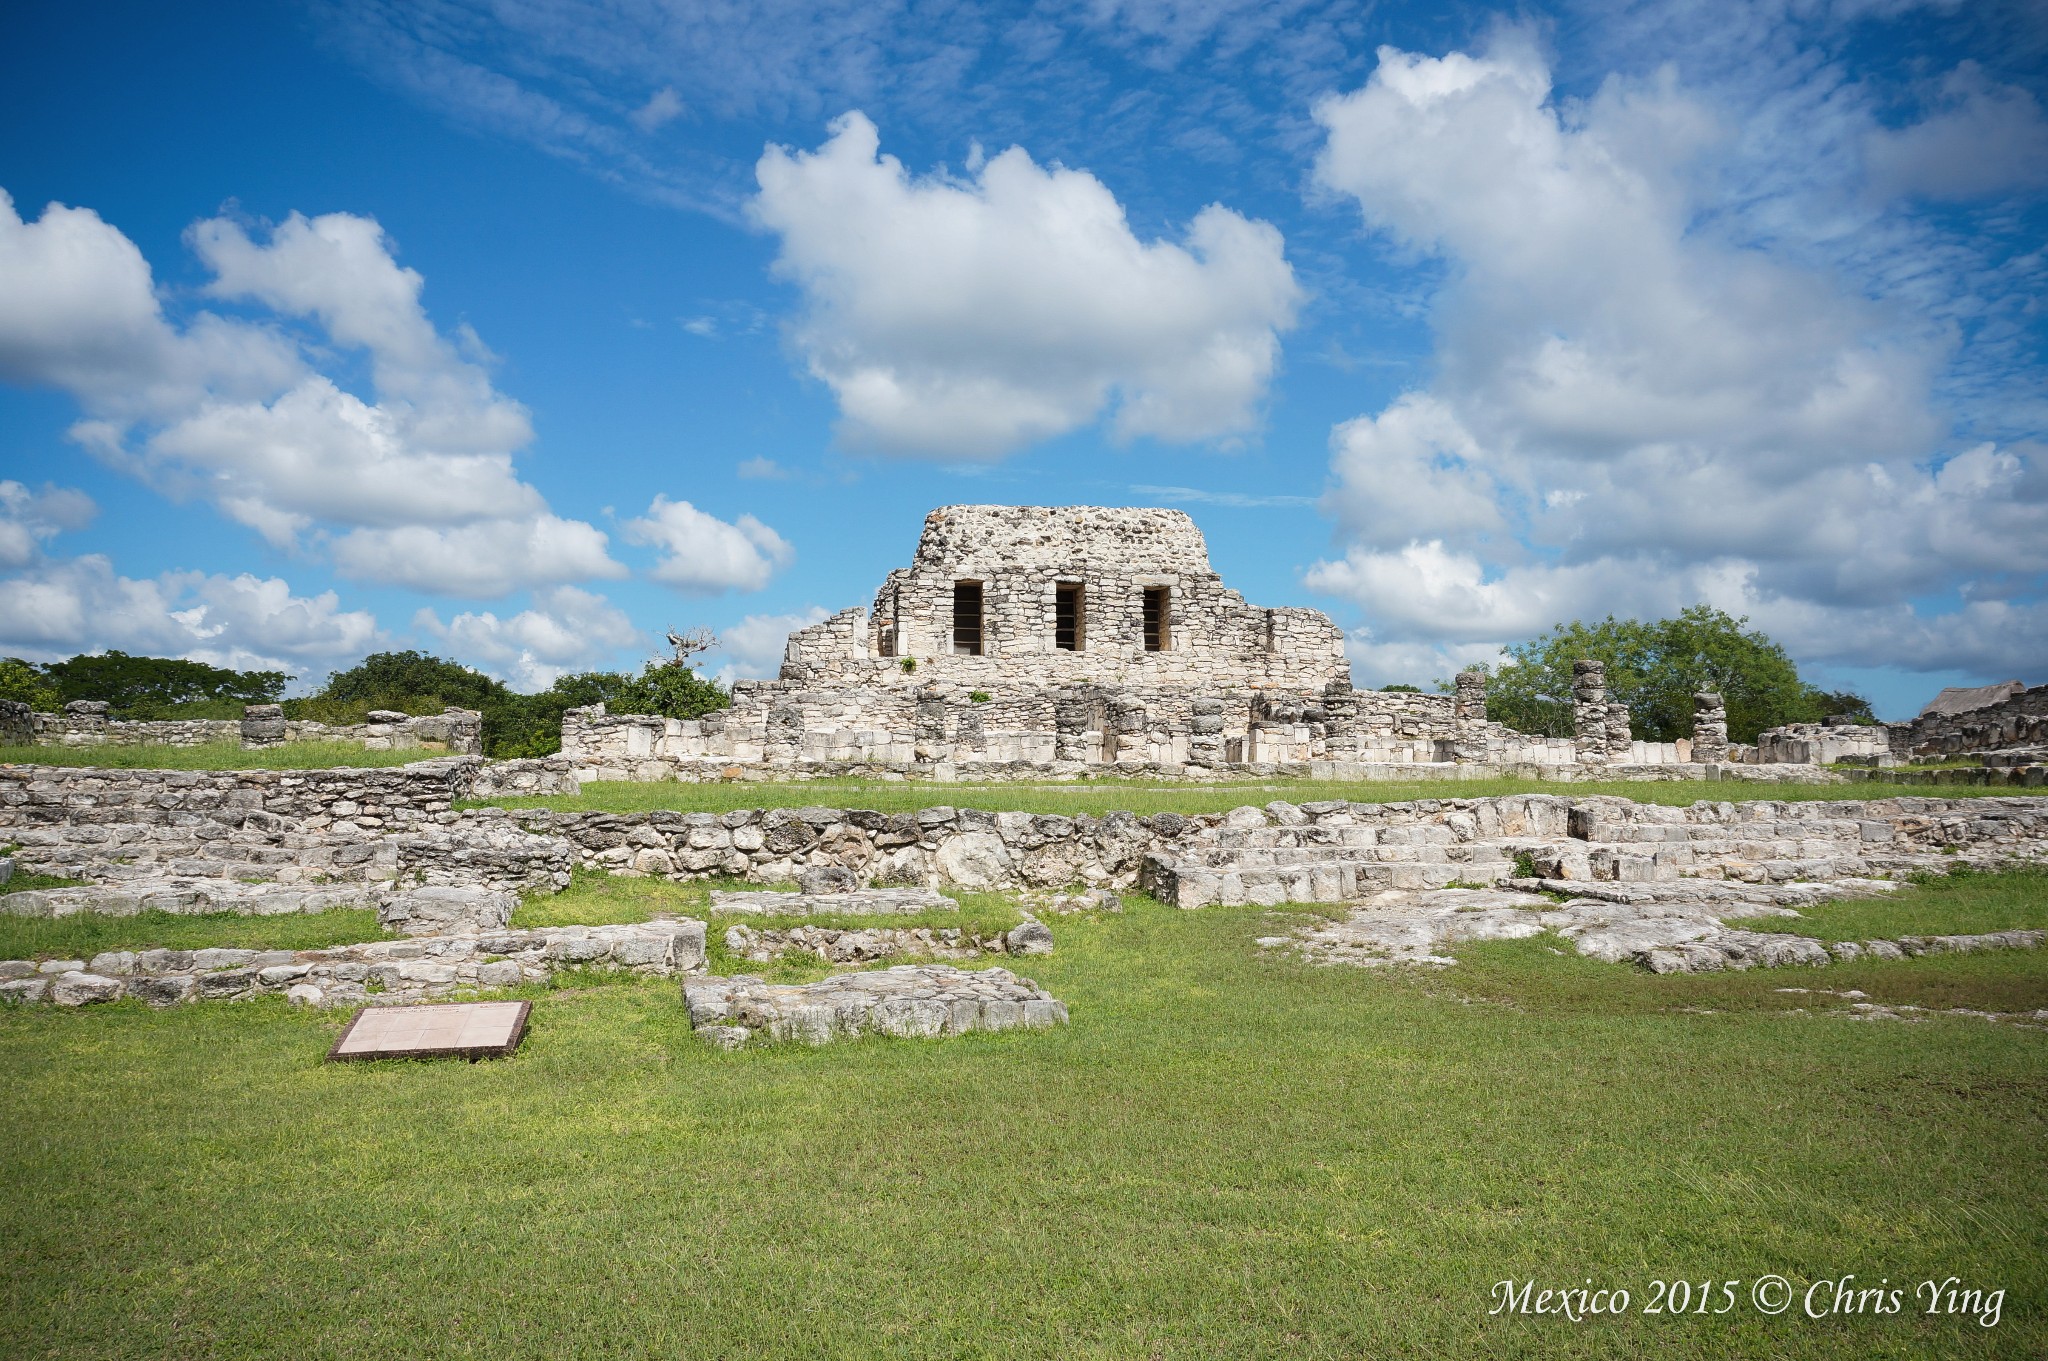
[520,332]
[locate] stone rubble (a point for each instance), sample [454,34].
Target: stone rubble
[417,970]
[871,902]
[920,1001]
[1676,933]
[860,945]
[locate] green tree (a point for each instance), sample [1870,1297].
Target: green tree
[25,683]
[1655,668]
[161,687]
[389,680]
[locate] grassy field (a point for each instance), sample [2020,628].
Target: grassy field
[1964,901]
[215,756]
[1226,1154]
[84,936]
[1137,796]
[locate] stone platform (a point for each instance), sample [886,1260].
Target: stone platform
[1677,932]
[920,1001]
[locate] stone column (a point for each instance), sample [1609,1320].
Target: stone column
[1071,711]
[1205,732]
[465,730]
[1709,727]
[1127,724]
[17,723]
[86,715]
[786,732]
[1619,739]
[262,726]
[1340,718]
[1589,711]
[1468,717]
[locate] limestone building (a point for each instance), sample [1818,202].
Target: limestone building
[1048,596]
[1046,638]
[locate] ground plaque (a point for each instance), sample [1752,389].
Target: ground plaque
[471,1030]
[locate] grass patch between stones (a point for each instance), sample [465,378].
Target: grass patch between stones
[86,934]
[216,756]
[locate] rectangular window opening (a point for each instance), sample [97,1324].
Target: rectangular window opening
[1158,620]
[1070,619]
[967,618]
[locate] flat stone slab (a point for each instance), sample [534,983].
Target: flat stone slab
[471,1030]
[923,1001]
[420,969]
[188,897]
[866,902]
[1685,934]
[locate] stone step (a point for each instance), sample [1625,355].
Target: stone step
[188,897]
[1182,884]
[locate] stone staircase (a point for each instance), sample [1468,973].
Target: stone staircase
[1324,853]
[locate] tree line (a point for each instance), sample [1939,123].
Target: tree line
[411,682]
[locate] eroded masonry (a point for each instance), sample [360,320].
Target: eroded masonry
[1030,641]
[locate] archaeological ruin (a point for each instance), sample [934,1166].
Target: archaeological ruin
[1059,641]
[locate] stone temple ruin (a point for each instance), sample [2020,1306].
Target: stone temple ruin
[1055,641]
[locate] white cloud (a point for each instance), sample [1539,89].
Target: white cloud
[478,560]
[59,608]
[704,555]
[1981,138]
[663,106]
[1635,410]
[563,630]
[27,518]
[965,318]
[762,469]
[239,412]
[753,647]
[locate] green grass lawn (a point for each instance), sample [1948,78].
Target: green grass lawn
[216,756]
[1226,1154]
[83,936]
[1138,796]
[1961,902]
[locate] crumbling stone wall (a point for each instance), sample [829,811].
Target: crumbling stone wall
[1021,556]
[2018,723]
[85,723]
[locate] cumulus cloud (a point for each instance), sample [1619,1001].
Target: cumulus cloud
[1980,138]
[704,555]
[28,518]
[563,630]
[477,560]
[62,607]
[967,317]
[1633,411]
[240,412]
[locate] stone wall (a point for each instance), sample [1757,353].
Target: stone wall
[1822,743]
[85,723]
[1454,838]
[2019,723]
[1021,556]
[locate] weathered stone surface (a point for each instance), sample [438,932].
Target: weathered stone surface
[1030,938]
[1671,931]
[416,969]
[76,989]
[442,910]
[863,902]
[908,1000]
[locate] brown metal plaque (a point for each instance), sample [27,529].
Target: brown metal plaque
[471,1030]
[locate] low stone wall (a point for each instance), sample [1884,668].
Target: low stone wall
[2019,722]
[386,972]
[364,799]
[1472,838]
[86,723]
